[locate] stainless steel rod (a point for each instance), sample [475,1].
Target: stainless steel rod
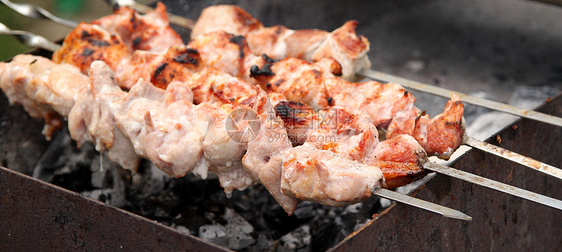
[514,157]
[409,200]
[36,12]
[478,180]
[30,39]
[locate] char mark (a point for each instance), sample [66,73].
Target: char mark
[185,58]
[87,52]
[268,59]
[136,41]
[265,70]
[241,42]
[85,34]
[293,113]
[98,43]
[159,69]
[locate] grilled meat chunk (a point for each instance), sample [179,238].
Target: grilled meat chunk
[279,42]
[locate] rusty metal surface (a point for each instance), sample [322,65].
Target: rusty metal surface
[500,222]
[36,216]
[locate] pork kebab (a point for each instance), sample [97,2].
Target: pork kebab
[390,106]
[178,136]
[181,63]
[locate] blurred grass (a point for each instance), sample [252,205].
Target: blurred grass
[79,10]
[9,45]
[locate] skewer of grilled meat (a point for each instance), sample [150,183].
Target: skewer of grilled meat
[390,106]
[222,91]
[313,84]
[178,136]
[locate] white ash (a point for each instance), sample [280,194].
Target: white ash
[488,122]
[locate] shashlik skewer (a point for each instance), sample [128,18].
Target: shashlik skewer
[154,123]
[229,12]
[296,79]
[86,101]
[279,42]
[76,39]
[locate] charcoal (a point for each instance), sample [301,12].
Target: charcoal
[62,157]
[325,233]
[297,240]
[263,243]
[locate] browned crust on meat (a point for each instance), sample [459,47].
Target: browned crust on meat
[85,44]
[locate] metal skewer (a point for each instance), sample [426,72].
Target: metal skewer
[402,198]
[481,145]
[30,39]
[514,157]
[36,12]
[492,184]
